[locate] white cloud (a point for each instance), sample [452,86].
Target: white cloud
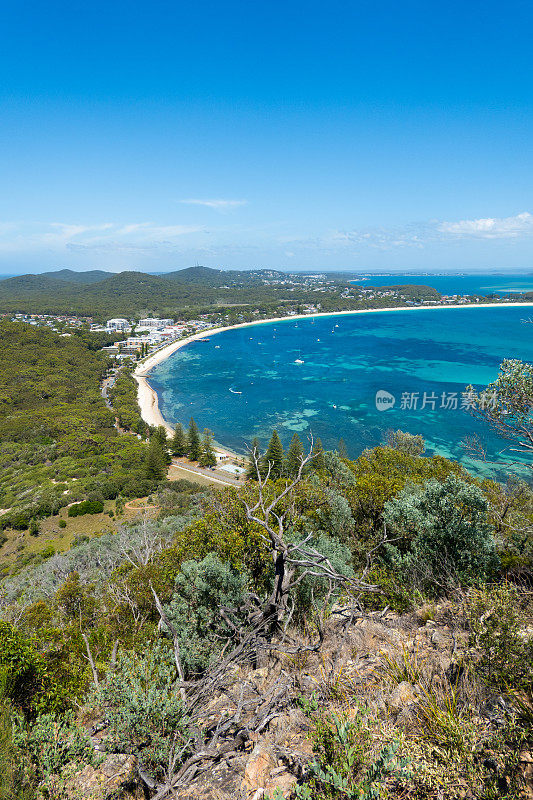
[58,236]
[218,205]
[491,227]
[64,232]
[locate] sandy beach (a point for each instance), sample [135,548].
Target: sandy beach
[147,397]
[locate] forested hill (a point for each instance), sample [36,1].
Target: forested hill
[184,293]
[58,442]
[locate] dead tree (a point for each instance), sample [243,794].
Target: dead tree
[267,631]
[295,561]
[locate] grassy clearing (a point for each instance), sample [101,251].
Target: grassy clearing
[21,546]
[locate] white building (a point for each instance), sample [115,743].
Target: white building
[152,322]
[117,324]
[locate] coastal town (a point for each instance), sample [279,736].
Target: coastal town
[135,338]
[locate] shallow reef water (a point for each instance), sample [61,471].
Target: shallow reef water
[350,377]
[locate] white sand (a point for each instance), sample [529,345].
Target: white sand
[147,397]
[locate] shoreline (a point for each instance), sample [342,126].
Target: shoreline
[148,400]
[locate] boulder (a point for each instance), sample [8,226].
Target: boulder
[403,695]
[525,766]
[258,768]
[115,779]
[262,775]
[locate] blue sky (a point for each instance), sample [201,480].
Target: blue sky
[353,135]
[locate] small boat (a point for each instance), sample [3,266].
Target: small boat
[202,340]
[217,347]
[234,391]
[299,361]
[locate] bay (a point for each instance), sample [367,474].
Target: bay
[321,375]
[477,284]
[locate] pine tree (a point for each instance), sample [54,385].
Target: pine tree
[274,456]
[254,462]
[161,435]
[294,456]
[193,441]
[155,460]
[318,461]
[178,443]
[207,454]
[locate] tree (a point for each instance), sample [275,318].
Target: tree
[445,529]
[155,461]
[273,461]
[161,434]
[507,406]
[207,454]
[193,441]
[295,454]
[411,445]
[318,462]
[343,452]
[252,469]
[178,443]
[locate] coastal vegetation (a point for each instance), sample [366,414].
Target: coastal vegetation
[361,628]
[58,440]
[230,296]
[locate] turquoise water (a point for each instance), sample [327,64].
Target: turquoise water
[245,382]
[482,284]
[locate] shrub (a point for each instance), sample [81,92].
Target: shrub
[347,765]
[28,683]
[406,443]
[50,744]
[62,523]
[7,753]
[445,530]
[501,652]
[144,709]
[201,588]
[86,507]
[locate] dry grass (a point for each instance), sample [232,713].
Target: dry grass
[20,544]
[408,667]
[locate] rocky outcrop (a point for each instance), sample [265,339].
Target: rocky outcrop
[115,779]
[263,775]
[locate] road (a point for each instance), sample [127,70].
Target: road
[212,476]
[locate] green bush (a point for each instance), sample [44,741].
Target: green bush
[444,533]
[86,507]
[500,649]
[347,765]
[62,523]
[49,745]
[7,753]
[144,709]
[29,685]
[201,588]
